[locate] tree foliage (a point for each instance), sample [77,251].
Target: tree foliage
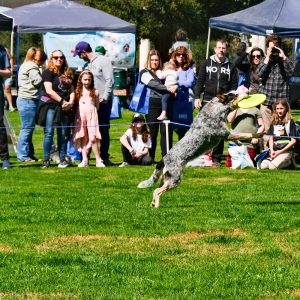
[158,20]
[155,19]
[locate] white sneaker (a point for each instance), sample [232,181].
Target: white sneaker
[83,164]
[64,164]
[123,164]
[100,164]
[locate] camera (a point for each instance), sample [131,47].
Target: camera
[274,54]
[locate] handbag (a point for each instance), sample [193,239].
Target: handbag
[182,109]
[72,152]
[262,155]
[140,98]
[116,112]
[240,157]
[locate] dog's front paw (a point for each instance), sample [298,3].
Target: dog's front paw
[145,184]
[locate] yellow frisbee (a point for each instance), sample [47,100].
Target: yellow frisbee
[252,101]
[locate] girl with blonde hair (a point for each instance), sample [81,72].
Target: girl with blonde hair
[281,140]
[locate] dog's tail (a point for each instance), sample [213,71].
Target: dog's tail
[154,177]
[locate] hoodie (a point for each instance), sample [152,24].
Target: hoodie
[215,78]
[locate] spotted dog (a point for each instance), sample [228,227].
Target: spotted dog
[207,129]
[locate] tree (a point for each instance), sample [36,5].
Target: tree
[156,19]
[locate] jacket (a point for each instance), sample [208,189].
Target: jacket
[29,80]
[41,114]
[102,70]
[215,78]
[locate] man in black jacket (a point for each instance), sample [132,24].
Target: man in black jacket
[216,76]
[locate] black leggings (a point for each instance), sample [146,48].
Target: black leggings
[145,160]
[154,125]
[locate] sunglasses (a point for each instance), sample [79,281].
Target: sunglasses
[180,54]
[58,57]
[256,56]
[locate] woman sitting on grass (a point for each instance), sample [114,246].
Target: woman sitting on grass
[136,142]
[280,143]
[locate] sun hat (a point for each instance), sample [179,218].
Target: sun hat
[82,46]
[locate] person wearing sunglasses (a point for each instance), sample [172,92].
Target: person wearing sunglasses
[182,104]
[256,56]
[246,61]
[55,107]
[102,69]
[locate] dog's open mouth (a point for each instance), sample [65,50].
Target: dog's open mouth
[238,98]
[232,97]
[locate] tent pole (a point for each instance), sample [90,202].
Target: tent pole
[208,41]
[12,43]
[18,50]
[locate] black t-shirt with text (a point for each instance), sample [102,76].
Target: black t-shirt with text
[60,84]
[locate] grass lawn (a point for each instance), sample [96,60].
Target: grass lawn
[90,233]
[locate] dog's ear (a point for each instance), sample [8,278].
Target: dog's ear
[222,98]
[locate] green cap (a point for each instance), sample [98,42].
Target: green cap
[100,49]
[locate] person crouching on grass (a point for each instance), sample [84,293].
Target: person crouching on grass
[135,143]
[86,131]
[281,141]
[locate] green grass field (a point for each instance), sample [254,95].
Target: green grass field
[91,234]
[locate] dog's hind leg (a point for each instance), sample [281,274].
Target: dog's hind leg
[153,178]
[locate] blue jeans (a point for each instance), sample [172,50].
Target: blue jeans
[63,133]
[27,109]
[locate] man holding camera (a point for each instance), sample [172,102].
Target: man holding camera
[274,71]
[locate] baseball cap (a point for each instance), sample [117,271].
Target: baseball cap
[138,117]
[100,49]
[82,46]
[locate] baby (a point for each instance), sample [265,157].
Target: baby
[170,76]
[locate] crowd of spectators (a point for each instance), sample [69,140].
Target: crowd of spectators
[47,95]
